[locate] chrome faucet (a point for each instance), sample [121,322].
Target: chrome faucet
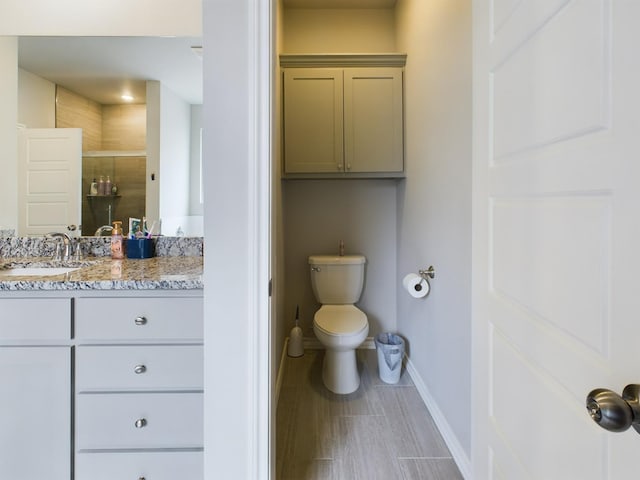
[103,229]
[66,242]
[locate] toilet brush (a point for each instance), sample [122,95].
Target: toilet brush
[295,347]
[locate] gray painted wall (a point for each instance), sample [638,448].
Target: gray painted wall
[434,203]
[362,213]
[318,214]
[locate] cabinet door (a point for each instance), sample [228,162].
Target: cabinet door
[313,120]
[373,120]
[35,413]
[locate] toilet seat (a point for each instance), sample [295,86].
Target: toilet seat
[340,320]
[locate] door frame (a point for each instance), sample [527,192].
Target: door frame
[238,76]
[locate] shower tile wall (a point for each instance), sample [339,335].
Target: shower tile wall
[128,173]
[111,128]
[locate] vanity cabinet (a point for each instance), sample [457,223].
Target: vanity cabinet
[139,388]
[35,372]
[343,120]
[101,386]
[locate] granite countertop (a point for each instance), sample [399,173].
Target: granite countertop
[177,266]
[103,273]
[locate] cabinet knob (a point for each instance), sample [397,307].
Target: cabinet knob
[141,422]
[339,166]
[348,166]
[141,320]
[141,478]
[140,369]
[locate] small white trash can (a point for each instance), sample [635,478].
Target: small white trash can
[390,349]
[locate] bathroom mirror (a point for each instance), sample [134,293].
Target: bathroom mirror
[163,76]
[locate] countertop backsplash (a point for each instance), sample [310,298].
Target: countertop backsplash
[41,246]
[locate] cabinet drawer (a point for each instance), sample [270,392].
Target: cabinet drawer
[167,420]
[136,465]
[35,319]
[138,367]
[175,318]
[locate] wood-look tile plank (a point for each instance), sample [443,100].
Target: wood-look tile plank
[409,424]
[303,415]
[366,450]
[365,435]
[429,469]
[297,369]
[286,428]
[311,470]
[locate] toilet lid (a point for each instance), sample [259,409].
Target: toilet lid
[340,319]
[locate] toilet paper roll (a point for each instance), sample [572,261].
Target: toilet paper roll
[417,286]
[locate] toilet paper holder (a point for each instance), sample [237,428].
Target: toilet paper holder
[429,272]
[418,286]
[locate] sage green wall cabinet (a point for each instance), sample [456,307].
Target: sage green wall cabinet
[313,130]
[343,116]
[35,404]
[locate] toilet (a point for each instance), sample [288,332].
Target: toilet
[339,325]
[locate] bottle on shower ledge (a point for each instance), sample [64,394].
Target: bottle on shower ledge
[107,186]
[101,186]
[93,189]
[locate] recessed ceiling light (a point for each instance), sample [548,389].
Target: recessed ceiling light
[127,98]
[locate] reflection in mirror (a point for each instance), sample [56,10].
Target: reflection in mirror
[113,188]
[138,101]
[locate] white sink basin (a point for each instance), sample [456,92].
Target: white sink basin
[37,271]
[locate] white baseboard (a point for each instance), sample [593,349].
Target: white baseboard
[312,343]
[280,376]
[457,452]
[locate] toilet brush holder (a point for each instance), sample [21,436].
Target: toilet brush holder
[295,346]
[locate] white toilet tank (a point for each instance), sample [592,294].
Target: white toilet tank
[337,280]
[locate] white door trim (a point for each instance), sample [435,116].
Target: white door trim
[236,178]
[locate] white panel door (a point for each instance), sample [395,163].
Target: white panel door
[556,235]
[49,180]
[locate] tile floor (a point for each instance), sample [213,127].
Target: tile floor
[380,431]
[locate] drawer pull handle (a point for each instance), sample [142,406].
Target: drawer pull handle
[140,369]
[141,320]
[141,422]
[141,478]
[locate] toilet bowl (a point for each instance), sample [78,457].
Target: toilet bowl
[340,329]
[339,325]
